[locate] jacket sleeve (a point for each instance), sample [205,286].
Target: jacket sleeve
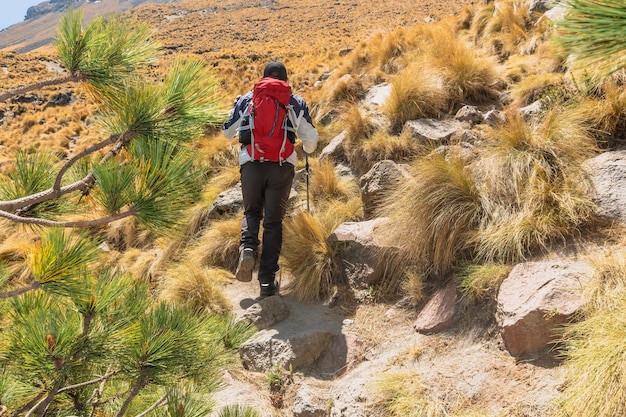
[230,126]
[305,129]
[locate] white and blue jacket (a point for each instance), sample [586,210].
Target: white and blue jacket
[301,119]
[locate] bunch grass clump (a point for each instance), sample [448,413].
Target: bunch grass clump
[503,26]
[604,108]
[403,394]
[326,185]
[308,255]
[219,244]
[478,282]
[469,76]
[418,91]
[533,189]
[381,145]
[197,288]
[596,347]
[441,206]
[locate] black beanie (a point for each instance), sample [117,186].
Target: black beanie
[275,70]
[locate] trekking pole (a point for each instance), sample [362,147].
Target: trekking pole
[306,168]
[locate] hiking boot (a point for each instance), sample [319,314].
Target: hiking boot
[245,265]
[268,289]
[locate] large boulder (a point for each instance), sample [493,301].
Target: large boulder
[536,299]
[359,246]
[378,182]
[269,348]
[608,174]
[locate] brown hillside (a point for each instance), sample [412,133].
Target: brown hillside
[236,37]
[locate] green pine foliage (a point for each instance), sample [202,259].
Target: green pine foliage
[78,336]
[593,33]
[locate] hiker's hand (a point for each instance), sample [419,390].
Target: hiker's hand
[236,100]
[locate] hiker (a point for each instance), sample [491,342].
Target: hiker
[267,121]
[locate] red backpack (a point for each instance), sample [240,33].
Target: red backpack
[268,135]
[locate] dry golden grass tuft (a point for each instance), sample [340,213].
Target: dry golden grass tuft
[414,286]
[442,206]
[469,76]
[533,189]
[403,394]
[604,108]
[326,185]
[219,153]
[381,145]
[126,233]
[137,263]
[502,27]
[533,87]
[197,288]
[419,91]
[479,282]
[308,256]
[218,246]
[596,347]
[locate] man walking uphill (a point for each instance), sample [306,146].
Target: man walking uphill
[267,119]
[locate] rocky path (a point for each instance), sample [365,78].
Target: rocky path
[339,355]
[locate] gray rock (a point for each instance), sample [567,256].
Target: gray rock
[268,348]
[335,150]
[495,117]
[266,312]
[60,99]
[557,13]
[228,202]
[378,182]
[608,175]
[469,114]
[540,6]
[377,95]
[429,131]
[531,110]
[307,404]
[359,246]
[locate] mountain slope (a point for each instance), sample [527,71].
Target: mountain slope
[39,29]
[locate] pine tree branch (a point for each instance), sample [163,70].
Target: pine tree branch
[28,405]
[94,148]
[41,407]
[36,86]
[137,386]
[9,294]
[82,223]
[13,205]
[102,378]
[158,403]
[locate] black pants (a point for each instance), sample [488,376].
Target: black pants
[265,187]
